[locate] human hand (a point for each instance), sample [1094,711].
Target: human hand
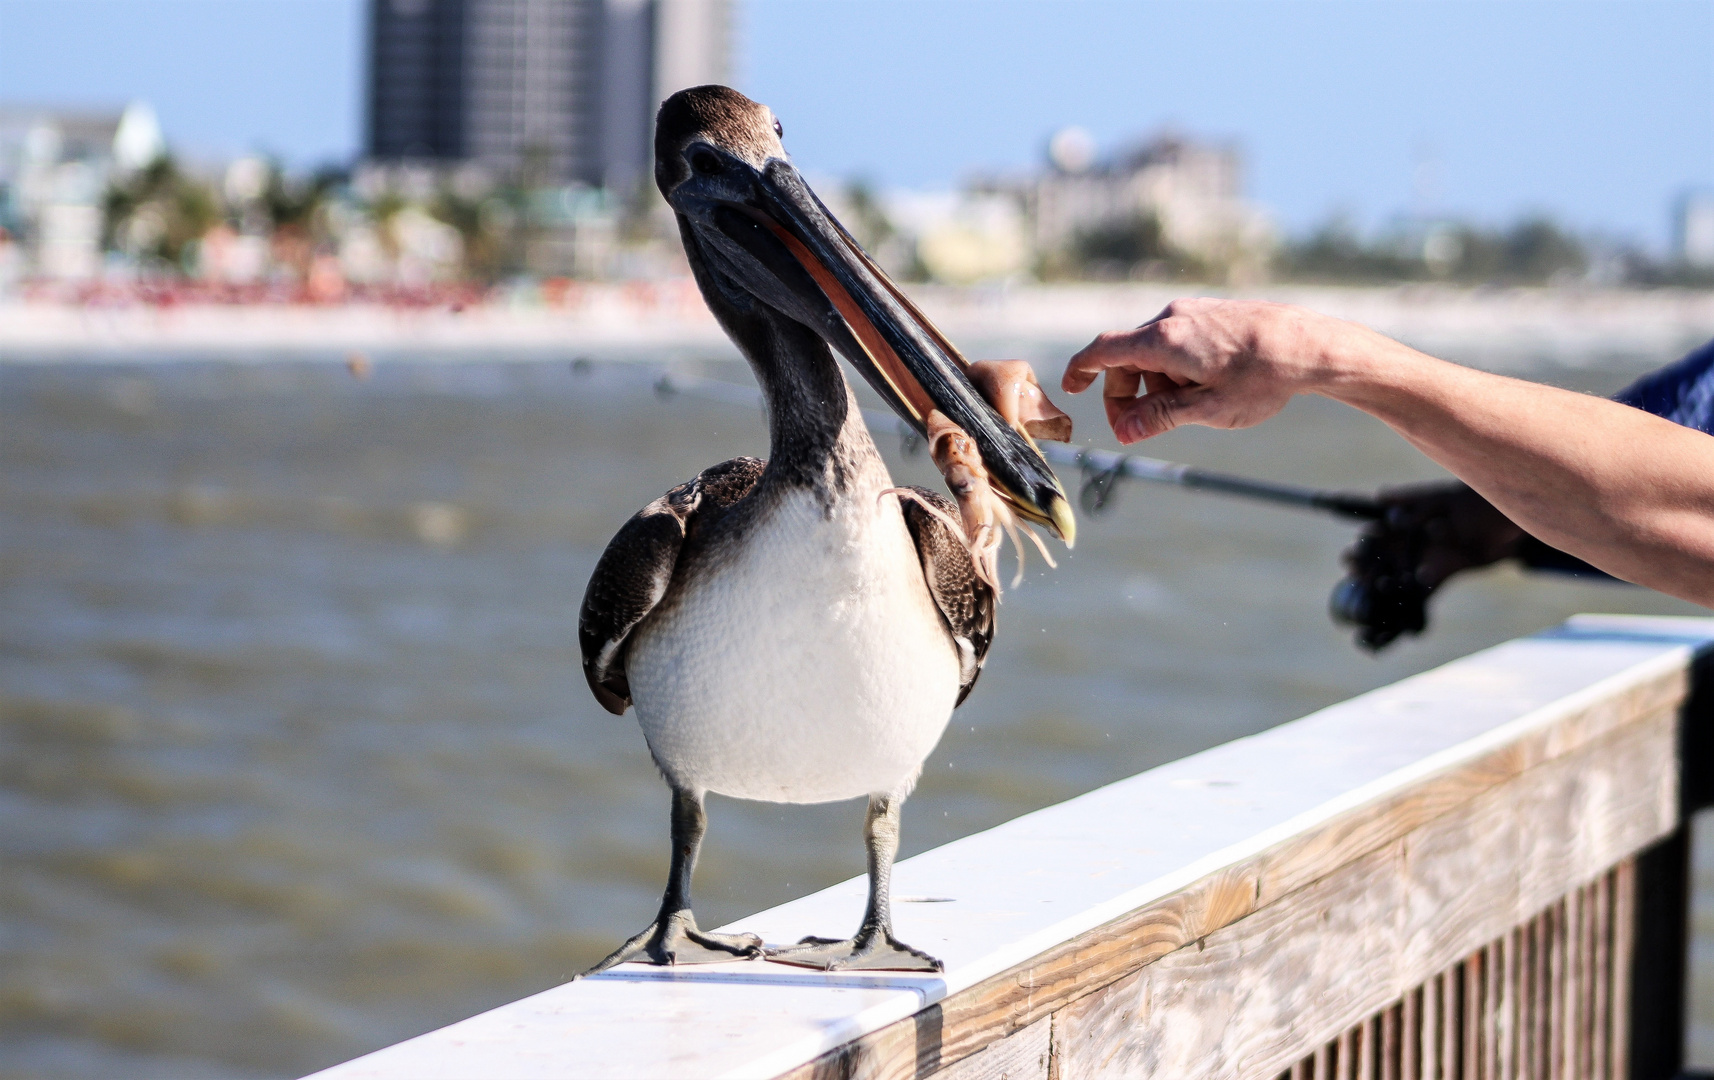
[1429,533]
[1220,363]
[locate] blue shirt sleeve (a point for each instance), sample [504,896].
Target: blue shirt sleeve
[1682,392]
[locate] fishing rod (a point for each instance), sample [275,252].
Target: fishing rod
[1102,469]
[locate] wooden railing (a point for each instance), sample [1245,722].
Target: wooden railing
[1454,877]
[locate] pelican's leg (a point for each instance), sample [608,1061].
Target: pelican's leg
[673,937]
[874,948]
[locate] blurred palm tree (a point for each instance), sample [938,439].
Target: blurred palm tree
[157,213]
[296,211]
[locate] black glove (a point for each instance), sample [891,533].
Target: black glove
[1429,533]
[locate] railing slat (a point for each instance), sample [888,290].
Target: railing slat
[1390,1043]
[1624,940]
[1410,1036]
[1604,980]
[1548,1018]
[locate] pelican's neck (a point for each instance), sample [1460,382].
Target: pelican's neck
[816,435]
[817,438]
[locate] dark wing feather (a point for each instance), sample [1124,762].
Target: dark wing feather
[966,602]
[637,568]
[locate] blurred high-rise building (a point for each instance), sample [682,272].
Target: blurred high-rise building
[553,91]
[1693,229]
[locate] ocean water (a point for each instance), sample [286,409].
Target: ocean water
[297,759]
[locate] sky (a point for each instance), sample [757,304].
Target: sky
[1596,112]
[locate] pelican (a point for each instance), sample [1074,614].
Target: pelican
[799,630]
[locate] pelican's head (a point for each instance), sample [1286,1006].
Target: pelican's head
[758,234]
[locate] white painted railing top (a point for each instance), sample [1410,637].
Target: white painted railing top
[1021,888]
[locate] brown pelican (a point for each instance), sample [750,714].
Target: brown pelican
[800,630]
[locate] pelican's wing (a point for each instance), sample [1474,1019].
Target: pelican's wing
[637,568]
[966,602]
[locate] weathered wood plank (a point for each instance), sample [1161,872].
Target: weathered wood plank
[1023,1055]
[1192,1012]
[1305,858]
[1251,998]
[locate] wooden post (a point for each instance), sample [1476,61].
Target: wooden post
[1660,963]
[1658,960]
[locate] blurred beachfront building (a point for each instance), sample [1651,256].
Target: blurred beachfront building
[55,168]
[1150,209]
[1166,207]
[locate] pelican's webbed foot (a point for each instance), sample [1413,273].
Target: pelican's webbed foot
[674,939]
[874,948]
[871,950]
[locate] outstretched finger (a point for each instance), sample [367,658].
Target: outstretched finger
[1145,349]
[1114,349]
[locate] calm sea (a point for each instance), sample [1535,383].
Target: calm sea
[297,760]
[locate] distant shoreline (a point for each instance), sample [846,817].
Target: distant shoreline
[1505,328]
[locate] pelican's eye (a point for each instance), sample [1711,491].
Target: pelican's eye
[779,129]
[705,163]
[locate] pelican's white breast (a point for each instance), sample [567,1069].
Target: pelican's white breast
[807,664]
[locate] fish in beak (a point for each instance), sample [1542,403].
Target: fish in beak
[764,237]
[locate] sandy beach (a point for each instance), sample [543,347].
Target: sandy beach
[1505,328]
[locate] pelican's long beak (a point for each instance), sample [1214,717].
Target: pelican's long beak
[768,235]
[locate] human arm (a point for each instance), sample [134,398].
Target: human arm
[1630,493]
